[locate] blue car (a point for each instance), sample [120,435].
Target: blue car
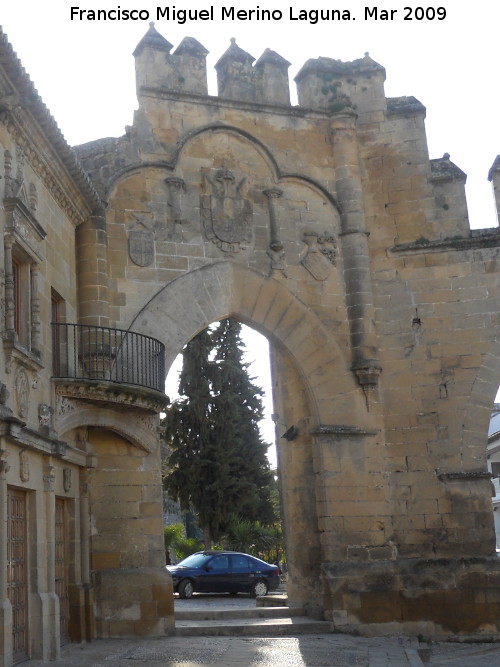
[223,572]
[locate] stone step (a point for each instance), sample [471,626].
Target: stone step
[255,612]
[252,627]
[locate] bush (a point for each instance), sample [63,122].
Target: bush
[177,544]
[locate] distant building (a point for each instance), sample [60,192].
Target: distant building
[494,465]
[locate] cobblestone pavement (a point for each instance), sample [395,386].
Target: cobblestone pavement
[305,651]
[330,650]
[465,655]
[325,650]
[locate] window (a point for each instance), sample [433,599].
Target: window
[22,257]
[21,277]
[241,563]
[220,563]
[59,335]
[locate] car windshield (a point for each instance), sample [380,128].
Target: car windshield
[195,560]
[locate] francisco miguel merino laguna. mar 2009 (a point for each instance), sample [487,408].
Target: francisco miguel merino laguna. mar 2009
[231,13]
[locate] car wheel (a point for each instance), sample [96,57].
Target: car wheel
[259,587]
[186,589]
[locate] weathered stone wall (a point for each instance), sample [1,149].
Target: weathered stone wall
[126,541]
[327,227]
[44,196]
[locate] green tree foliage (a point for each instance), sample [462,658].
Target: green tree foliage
[217,462]
[254,538]
[238,403]
[178,544]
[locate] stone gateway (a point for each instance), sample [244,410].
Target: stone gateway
[326,227]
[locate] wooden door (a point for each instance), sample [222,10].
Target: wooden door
[17,571]
[61,567]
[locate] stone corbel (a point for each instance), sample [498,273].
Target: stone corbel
[175,187]
[275,252]
[367,372]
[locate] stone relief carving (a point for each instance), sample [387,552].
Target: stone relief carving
[49,479]
[226,214]
[67,479]
[41,167]
[44,415]
[64,406]
[5,411]
[141,239]
[328,246]
[36,380]
[320,255]
[277,258]
[22,392]
[24,466]
[150,424]
[33,197]
[13,183]
[4,464]
[141,247]
[4,393]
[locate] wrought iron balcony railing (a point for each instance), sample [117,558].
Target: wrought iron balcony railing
[86,352]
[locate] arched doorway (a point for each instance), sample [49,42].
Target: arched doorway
[308,395]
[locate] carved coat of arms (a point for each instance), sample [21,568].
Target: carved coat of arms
[320,255]
[226,214]
[141,247]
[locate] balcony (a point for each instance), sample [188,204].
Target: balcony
[106,355]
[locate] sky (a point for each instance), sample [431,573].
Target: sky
[84,70]
[444,54]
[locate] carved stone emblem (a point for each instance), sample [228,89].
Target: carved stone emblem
[67,479]
[24,466]
[4,465]
[141,247]
[226,214]
[44,415]
[49,479]
[22,392]
[320,255]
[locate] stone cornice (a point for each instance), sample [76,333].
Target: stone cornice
[25,116]
[112,394]
[467,476]
[342,431]
[241,105]
[479,238]
[42,443]
[16,126]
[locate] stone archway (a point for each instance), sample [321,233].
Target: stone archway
[308,393]
[326,227]
[483,390]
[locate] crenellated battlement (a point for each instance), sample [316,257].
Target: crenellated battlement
[322,83]
[185,70]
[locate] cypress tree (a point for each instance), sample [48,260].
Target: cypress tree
[188,435]
[217,462]
[238,403]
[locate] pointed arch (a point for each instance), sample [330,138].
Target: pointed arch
[479,404]
[172,162]
[190,303]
